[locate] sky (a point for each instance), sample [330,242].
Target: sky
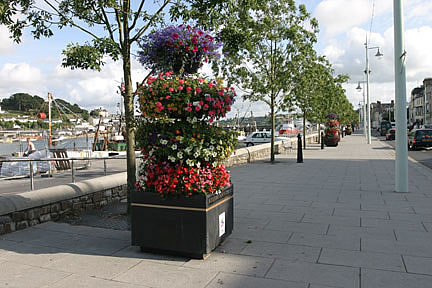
[34,66]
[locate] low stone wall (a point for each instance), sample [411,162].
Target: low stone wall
[27,209]
[259,152]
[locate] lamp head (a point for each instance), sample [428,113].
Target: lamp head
[359,87]
[379,54]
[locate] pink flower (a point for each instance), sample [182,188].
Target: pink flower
[181,82]
[159,106]
[180,88]
[188,89]
[198,90]
[171,89]
[167,97]
[221,93]
[175,36]
[189,109]
[200,32]
[206,107]
[201,103]
[197,108]
[195,49]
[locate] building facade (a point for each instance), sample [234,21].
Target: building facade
[420,105]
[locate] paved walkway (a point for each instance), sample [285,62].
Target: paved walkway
[332,221]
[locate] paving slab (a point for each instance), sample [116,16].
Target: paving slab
[97,266]
[164,276]
[379,279]
[91,282]
[20,275]
[236,264]
[241,281]
[420,265]
[330,275]
[294,253]
[361,259]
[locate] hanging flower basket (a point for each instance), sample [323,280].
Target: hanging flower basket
[178,48]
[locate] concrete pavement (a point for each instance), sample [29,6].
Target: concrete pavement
[332,221]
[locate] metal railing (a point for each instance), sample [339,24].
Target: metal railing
[50,160]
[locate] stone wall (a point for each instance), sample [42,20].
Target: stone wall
[31,208]
[259,152]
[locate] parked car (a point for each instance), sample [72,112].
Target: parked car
[391,134]
[261,137]
[419,138]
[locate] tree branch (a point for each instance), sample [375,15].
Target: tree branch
[107,23]
[143,29]
[70,21]
[120,29]
[137,15]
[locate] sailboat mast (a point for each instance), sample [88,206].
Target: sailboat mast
[49,120]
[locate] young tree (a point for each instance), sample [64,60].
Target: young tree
[261,40]
[113,26]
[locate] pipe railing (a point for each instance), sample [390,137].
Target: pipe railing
[71,159]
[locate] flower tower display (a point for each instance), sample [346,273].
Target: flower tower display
[332,132]
[184,199]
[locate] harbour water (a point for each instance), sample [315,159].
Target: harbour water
[79,143]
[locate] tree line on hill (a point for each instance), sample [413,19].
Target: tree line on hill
[31,105]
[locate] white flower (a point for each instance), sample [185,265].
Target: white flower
[174,147]
[180,155]
[189,162]
[196,154]
[171,158]
[163,142]
[198,164]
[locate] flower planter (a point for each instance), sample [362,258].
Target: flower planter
[191,227]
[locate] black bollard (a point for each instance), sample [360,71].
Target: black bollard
[342,132]
[299,149]
[322,140]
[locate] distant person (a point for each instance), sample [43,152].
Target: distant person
[30,148]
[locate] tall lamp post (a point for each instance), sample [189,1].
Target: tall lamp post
[359,88]
[367,71]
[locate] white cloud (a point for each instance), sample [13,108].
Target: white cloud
[339,16]
[19,75]
[6,43]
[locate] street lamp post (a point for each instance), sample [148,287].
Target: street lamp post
[359,88]
[367,71]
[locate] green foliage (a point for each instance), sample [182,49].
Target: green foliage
[31,105]
[22,102]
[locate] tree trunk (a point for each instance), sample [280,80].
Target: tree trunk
[129,111]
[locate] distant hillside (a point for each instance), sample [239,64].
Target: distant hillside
[31,105]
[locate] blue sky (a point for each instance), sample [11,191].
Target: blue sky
[34,65]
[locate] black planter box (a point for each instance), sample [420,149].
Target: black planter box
[191,227]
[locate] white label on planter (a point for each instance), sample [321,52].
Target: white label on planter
[221,224]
